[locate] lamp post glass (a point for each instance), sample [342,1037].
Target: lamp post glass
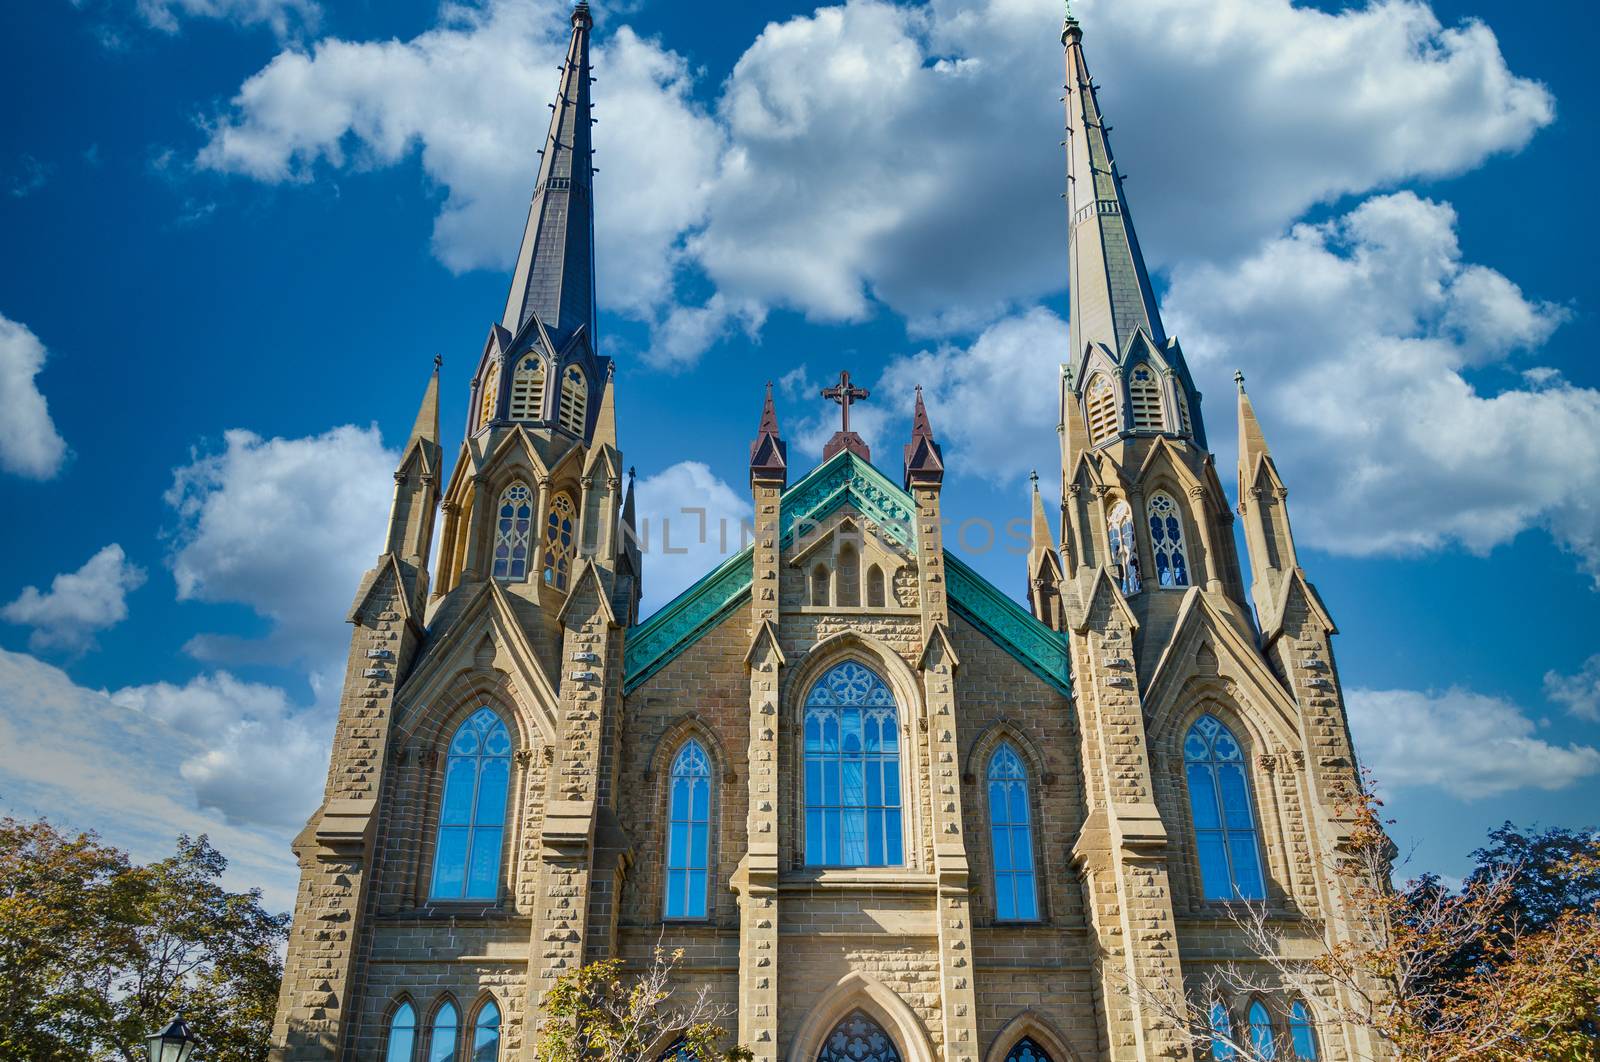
[175,1043]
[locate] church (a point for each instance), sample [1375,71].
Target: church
[888,811]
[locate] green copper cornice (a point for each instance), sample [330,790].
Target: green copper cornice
[842,479]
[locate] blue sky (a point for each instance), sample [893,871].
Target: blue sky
[237,231]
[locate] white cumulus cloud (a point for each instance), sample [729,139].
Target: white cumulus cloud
[78,604]
[1467,744]
[282,16]
[29,443]
[689,521]
[1578,693]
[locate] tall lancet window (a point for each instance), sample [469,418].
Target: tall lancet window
[402,1035]
[574,400]
[1144,395]
[1101,407]
[1166,541]
[489,395]
[472,817]
[560,541]
[1262,1038]
[442,1037]
[527,389]
[1011,838]
[1302,1037]
[1221,1033]
[513,532]
[689,832]
[852,771]
[1224,820]
[486,1034]
[1124,550]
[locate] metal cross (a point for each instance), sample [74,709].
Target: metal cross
[845,394]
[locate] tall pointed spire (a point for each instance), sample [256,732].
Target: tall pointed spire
[769,454]
[554,277]
[1267,536]
[1044,565]
[1111,293]
[924,458]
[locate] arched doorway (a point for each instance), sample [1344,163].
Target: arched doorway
[858,1038]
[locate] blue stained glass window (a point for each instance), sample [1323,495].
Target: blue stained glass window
[1011,838]
[402,1034]
[472,816]
[1166,541]
[1302,1037]
[1027,1051]
[852,783]
[858,1039]
[512,531]
[442,1037]
[1224,823]
[560,544]
[1221,1033]
[1261,1037]
[689,832]
[486,1034]
[1124,551]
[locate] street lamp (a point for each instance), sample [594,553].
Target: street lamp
[175,1043]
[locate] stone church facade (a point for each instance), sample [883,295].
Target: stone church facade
[887,812]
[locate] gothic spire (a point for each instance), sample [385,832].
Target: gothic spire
[554,277]
[1111,294]
[769,454]
[1267,536]
[924,458]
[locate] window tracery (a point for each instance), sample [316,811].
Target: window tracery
[688,832]
[489,396]
[1124,549]
[513,531]
[852,771]
[472,815]
[1144,395]
[560,540]
[858,1038]
[1224,820]
[527,389]
[1026,1050]
[1011,838]
[1101,408]
[1166,541]
[574,400]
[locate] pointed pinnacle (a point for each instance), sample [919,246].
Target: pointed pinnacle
[1238,379]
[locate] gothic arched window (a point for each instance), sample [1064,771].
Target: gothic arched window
[472,817]
[560,540]
[489,395]
[688,832]
[875,593]
[1261,1036]
[1221,1033]
[858,1039]
[1124,550]
[849,567]
[819,584]
[1166,541]
[1025,1050]
[1102,409]
[402,1034]
[442,1036]
[513,529]
[486,1034]
[1224,822]
[1302,1036]
[1144,395]
[852,779]
[1011,838]
[527,389]
[574,400]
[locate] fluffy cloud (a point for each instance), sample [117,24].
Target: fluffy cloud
[470,96]
[1578,693]
[689,522]
[286,527]
[1464,743]
[228,723]
[1357,337]
[89,763]
[29,444]
[78,604]
[283,16]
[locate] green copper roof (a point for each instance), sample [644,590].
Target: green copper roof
[845,477]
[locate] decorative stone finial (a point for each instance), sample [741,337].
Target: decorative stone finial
[1238,379]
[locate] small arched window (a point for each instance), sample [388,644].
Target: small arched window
[1166,541]
[1224,821]
[402,1034]
[574,400]
[1144,395]
[513,528]
[852,783]
[819,584]
[858,1038]
[1262,1040]
[442,1036]
[849,576]
[1302,1036]
[1124,550]
[560,540]
[1011,838]
[1026,1050]
[1101,407]
[489,395]
[527,389]
[472,817]
[1221,1033]
[486,1034]
[875,592]
[689,832]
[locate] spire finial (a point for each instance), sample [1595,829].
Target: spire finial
[438,361]
[1238,379]
[1033,477]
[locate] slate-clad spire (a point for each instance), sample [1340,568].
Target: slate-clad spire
[1111,294]
[924,460]
[555,266]
[769,454]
